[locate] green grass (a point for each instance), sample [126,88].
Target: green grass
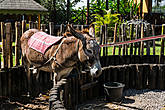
[110,51]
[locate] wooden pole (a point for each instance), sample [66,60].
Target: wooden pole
[31,25]
[153,34]
[68,10]
[87,17]
[142,43]
[17,42]
[123,38]
[9,44]
[162,42]
[43,27]
[131,38]
[115,38]
[39,21]
[23,30]
[4,53]
[51,28]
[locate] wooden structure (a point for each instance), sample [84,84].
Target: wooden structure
[14,8]
[137,65]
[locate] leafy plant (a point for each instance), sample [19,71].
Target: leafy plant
[109,19]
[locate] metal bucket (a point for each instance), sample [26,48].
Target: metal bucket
[113,91]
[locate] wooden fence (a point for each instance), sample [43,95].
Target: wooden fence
[78,88]
[130,65]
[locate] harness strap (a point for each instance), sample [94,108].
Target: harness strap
[54,56]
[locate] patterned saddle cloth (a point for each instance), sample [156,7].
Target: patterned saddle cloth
[41,41]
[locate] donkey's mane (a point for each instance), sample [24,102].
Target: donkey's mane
[68,34]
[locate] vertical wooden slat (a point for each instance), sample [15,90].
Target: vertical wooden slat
[1,84]
[4,53]
[9,44]
[162,42]
[51,28]
[131,38]
[61,29]
[153,34]
[136,37]
[161,77]
[17,42]
[115,38]
[120,39]
[35,25]
[123,38]
[31,26]
[43,27]
[103,36]
[23,26]
[23,30]
[142,43]
[148,42]
[106,37]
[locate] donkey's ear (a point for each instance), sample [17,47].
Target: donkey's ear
[92,30]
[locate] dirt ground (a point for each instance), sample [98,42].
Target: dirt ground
[24,103]
[136,100]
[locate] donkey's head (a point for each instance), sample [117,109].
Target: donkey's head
[89,50]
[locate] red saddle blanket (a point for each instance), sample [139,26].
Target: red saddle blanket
[41,41]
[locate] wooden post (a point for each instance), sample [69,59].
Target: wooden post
[161,77]
[39,21]
[51,28]
[23,30]
[35,25]
[123,38]
[131,38]
[61,29]
[148,42]
[115,38]
[162,42]
[23,26]
[43,27]
[106,36]
[136,37]
[153,34]
[120,39]
[9,44]
[87,17]
[4,53]
[103,36]
[142,43]
[31,25]
[17,42]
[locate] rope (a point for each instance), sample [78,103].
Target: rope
[133,41]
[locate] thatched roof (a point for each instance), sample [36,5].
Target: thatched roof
[21,7]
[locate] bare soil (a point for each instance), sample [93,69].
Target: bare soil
[24,103]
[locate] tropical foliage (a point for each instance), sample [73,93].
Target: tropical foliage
[109,19]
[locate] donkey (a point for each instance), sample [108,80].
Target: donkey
[61,58]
